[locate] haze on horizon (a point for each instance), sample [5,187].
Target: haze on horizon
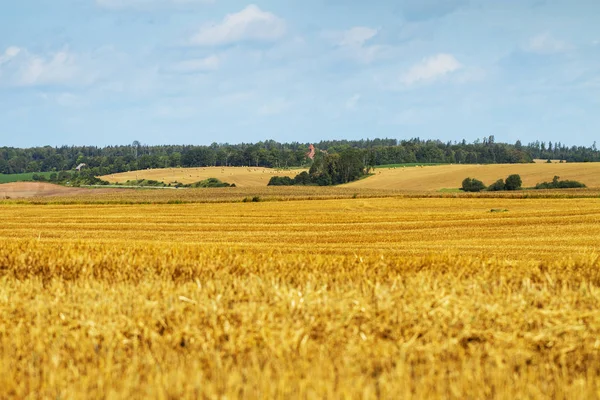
[106,72]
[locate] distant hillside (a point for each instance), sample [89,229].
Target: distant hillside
[451,176]
[240,176]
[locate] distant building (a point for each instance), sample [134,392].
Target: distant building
[80,166]
[311,153]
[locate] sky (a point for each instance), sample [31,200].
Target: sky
[108,72]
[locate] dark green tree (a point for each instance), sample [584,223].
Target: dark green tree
[513,182]
[472,185]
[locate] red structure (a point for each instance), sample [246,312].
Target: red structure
[311,153]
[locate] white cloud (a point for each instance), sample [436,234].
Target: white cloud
[275,107]
[9,54]
[431,69]
[353,43]
[20,67]
[27,69]
[206,64]
[60,67]
[141,4]
[352,102]
[357,36]
[546,44]
[249,24]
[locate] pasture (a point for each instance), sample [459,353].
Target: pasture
[27,177]
[378,298]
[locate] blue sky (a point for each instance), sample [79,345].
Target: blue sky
[104,72]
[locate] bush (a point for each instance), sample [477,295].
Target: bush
[558,184]
[472,185]
[210,183]
[497,186]
[281,181]
[513,182]
[303,178]
[38,177]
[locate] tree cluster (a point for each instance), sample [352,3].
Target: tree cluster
[115,159]
[513,182]
[558,184]
[327,170]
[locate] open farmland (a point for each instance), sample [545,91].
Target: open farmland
[356,298]
[240,176]
[432,178]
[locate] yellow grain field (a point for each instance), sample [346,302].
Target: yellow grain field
[240,176]
[434,178]
[412,298]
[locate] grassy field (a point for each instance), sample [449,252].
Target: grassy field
[433,178]
[4,178]
[240,176]
[350,298]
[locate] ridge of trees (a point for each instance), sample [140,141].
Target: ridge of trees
[137,156]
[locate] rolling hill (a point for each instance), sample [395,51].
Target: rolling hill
[240,176]
[451,176]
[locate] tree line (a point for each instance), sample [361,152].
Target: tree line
[137,156]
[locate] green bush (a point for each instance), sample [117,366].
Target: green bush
[281,181]
[497,186]
[210,183]
[303,178]
[472,185]
[513,182]
[558,184]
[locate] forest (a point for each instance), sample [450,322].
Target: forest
[373,152]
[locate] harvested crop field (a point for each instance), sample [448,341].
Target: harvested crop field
[432,178]
[348,298]
[20,190]
[240,176]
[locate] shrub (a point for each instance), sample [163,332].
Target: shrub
[558,184]
[303,178]
[210,183]
[38,177]
[281,181]
[513,182]
[472,185]
[497,186]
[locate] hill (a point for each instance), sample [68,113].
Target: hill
[432,178]
[240,176]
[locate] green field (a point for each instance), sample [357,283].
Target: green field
[28,177]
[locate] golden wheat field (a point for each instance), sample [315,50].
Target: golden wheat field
[240,176]
[366,298]
[451,176]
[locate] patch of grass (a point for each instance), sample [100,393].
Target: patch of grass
[28,177]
